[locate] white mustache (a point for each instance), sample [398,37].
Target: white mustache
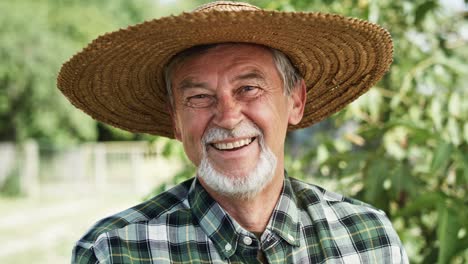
[244,129]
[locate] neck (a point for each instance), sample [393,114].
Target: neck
[254,213]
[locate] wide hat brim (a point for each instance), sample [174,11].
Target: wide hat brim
[118,79]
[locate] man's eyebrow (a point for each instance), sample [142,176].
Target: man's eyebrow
[254,74]
[190,83]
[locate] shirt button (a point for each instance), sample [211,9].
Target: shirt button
[228,247]
[247,240]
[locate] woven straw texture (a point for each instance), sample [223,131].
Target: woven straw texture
[118,79]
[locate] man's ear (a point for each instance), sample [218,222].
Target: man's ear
[298,97]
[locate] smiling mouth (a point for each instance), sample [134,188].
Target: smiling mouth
[233,145]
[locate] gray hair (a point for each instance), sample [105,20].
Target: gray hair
[288,73]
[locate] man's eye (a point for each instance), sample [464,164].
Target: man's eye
[248,88]
[249,92]
[199,100]
[199,96]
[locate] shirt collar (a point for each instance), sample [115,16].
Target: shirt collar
[285,218]
[224,231]
[214,221]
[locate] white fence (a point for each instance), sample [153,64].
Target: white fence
[89,167]
[26,170]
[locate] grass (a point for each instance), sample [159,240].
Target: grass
[44,229]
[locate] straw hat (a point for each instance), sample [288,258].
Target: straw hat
[118,78]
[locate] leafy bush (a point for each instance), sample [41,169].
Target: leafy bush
[403,146]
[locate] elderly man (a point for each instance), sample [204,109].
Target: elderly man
[229,80]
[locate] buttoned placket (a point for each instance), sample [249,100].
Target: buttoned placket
[247,246]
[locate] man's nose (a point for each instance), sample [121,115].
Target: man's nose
[228,112]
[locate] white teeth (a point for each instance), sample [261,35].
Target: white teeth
[231,145]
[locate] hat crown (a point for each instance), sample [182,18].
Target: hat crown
[226,6]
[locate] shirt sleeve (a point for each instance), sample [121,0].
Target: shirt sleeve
[404,256]
[83,253]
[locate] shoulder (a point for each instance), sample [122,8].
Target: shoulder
[311,195]
[348,224]
[152,210]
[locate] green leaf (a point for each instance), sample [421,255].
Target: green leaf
[375,176]
[453,131]
[455,64]
[454,105]
[402,179]
[423,10]
[441,156]
[461,160]
[426,201]
[447,231]
[465,132]
[374,103]
[436,113]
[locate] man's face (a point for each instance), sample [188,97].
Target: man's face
[227,87]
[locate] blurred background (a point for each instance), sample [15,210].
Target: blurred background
[402,147]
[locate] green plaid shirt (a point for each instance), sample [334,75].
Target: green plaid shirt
[185,225]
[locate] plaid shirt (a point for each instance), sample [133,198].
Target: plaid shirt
[185,225]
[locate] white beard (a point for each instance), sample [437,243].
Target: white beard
[240,186]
